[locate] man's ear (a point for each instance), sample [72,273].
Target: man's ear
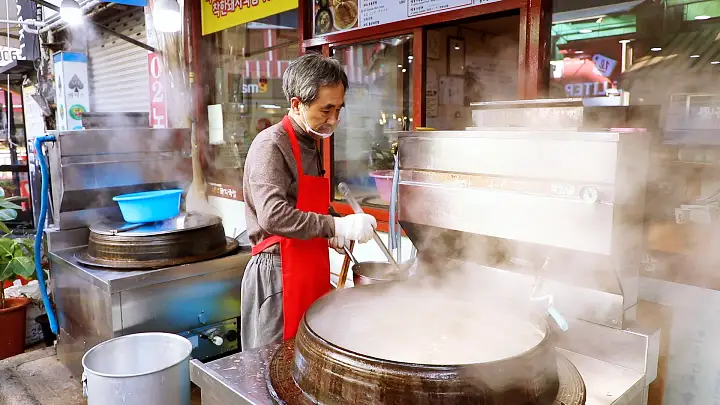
[295,105]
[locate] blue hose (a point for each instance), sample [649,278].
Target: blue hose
[45,191]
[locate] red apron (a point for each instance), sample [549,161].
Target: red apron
[305,263]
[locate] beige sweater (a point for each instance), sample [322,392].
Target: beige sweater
[270,188]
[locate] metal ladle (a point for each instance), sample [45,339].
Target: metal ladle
[345,191]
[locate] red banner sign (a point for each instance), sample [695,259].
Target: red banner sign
[158,103]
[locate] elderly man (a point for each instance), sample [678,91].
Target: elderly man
[287,204]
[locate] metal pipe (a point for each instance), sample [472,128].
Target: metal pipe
[23,22]
[124,37]
[102,27]
[345,190]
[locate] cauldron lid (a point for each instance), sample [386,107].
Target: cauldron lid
[183,222]
[284,391]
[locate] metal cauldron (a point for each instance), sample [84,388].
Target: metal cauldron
[329,374]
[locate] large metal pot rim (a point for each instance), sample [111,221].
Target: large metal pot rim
[173,336]
[536,319]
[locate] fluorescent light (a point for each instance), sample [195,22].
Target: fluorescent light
[70,12]
[585,31]
[694,56]
[166,16]
[656,49]
[270,106]
[715,62]
[702,17]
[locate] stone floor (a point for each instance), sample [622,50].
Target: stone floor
[37,378]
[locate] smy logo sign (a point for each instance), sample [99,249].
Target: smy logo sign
[252,88]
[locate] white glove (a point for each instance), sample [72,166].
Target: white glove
[337,243]
[358,227]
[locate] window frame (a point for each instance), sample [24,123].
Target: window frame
[533,56]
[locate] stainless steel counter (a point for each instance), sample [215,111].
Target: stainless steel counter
[193,300]
[113,281]
[239,379]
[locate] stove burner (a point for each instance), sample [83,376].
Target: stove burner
[284,391]
[187,238]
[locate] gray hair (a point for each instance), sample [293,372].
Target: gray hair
[308,73]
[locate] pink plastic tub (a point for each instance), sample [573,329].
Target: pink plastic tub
[383,183]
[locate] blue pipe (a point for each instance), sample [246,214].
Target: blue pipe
[45,191]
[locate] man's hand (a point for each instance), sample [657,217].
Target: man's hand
[337,243]
[359,227]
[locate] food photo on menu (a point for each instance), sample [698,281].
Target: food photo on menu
[335,15]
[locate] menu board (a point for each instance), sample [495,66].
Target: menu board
[345,15]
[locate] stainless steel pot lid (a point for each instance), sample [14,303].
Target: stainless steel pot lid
[184,222]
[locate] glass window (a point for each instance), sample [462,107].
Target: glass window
[658,64]
[378,105]
[469,61]
[244,83]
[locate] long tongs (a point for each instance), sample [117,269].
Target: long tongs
[345,191]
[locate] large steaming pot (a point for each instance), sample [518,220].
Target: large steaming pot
[328,374]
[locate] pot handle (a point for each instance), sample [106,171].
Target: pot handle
[84,385]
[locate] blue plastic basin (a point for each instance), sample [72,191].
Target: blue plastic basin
[149,206]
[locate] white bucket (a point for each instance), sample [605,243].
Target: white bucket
[139,369]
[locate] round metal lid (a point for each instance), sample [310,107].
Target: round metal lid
[181,223]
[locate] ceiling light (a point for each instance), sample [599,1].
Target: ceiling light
[656,49]
[624,41]
[585,31]
[702,17]
[578,52]
[70,12]
[404,70]
[166,16]
[457,47]
[715,62]
[411,57]
[694,56]
[399,66]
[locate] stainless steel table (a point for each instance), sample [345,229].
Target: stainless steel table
[240,379]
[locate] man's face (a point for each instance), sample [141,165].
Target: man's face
[322,115]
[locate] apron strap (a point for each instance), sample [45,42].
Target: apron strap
[266,243]
[287,124]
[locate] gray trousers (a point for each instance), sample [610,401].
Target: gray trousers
[261,311]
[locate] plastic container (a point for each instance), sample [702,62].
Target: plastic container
[12,327]
[143,368]
[149,206]
[383,183]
